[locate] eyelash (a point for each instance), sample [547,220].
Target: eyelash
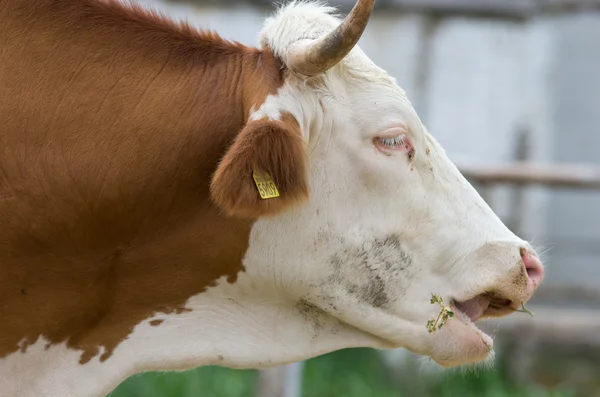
[395,141]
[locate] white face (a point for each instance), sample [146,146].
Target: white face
[390,222]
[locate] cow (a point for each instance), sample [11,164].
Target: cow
[171,199]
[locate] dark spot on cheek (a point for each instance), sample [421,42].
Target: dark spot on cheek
[374,294]
[373,271]
[155,323]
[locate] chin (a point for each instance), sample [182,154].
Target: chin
[461,343]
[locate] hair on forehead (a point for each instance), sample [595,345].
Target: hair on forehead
[299,20]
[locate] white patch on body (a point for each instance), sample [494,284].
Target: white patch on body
[237,325]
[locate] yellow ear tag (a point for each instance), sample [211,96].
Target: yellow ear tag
[266,186]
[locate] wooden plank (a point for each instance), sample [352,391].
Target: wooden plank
[574,88]
[395,43]
[281,381]
[550,324]
[568,293]
[463,106]
[491,8]
[271,382]
[552,175]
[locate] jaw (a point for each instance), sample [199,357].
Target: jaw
[459,342]
[462,342]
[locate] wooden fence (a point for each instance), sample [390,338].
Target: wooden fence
[579,176]
[510,9]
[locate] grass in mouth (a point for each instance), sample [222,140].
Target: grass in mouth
[522,310]
[445,313]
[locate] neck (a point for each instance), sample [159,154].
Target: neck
[232,325]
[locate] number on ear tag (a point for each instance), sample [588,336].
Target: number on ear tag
[265,185]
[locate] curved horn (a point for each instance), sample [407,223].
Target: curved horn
[319,55]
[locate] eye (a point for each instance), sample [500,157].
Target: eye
[398,143]
[392,142]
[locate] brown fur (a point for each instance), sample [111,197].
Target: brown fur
[274,146]
[113,122]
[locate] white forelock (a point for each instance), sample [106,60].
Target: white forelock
[301,20]
[297,20]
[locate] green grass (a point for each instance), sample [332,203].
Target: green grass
[487,384]
[345,373]
[200,382]
[348,373]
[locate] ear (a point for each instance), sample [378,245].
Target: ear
[265,151]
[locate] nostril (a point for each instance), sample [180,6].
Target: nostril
[535,273]
[533,266]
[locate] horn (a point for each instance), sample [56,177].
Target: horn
[318,56]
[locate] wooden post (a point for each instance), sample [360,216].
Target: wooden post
[281,381]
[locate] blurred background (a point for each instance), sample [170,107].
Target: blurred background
[511,89]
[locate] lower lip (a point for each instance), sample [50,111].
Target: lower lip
[467,321]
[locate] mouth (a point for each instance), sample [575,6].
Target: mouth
[485,305]
[463,342]
[482,306]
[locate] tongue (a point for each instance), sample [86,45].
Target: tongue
[475,307]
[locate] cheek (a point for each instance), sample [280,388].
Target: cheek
[377,190]
[375,273]
[385,178]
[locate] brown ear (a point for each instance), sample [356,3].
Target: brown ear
[275,147]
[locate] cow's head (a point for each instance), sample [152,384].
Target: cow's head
[372,217]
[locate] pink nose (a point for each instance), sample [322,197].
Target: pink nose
[534,268]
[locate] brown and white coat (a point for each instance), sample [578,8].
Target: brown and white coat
[133,236]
